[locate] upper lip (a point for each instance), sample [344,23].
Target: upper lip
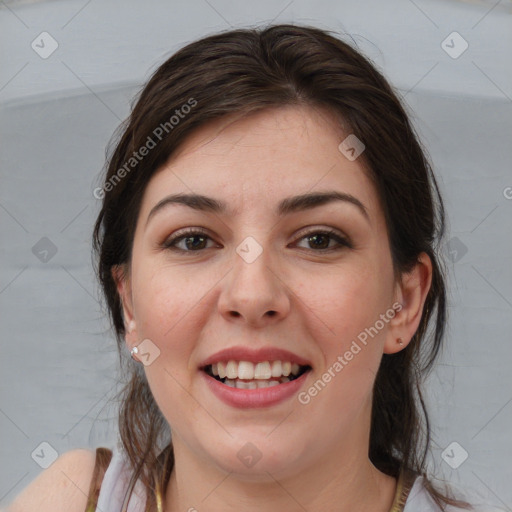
[254,356]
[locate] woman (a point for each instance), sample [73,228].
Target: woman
[268,249]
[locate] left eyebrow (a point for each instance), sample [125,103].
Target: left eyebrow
[286,206]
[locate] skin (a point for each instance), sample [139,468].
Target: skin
[192,304]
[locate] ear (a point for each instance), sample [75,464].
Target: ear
[122,279]
[411,293]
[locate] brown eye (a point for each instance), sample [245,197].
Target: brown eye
[193,240]
[319,240]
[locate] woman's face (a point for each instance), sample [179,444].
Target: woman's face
[257,278]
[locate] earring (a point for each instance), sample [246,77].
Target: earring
[400,341]
[134,351]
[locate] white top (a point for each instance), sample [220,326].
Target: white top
[117,477]
[115,483]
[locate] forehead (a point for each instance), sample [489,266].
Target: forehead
[255,161]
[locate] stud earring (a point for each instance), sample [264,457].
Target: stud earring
[134,351]
[400,341]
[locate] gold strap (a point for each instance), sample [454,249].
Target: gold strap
[159,504]
[404,485]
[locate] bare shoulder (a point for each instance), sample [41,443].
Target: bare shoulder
[63,487]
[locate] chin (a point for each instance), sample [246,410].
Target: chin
[258,460]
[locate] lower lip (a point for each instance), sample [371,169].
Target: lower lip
[250,398]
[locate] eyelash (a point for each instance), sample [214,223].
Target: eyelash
[343,242]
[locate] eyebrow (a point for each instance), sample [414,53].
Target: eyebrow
[286,206]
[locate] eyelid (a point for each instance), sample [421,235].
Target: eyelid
[183,233]
[319,229]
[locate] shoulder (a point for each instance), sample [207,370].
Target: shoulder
[62,487]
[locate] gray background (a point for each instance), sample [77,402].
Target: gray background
[58,359]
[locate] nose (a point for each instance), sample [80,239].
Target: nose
[254,292]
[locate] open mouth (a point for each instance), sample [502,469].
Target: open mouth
[246,375]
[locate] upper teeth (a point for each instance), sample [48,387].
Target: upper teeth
[248,371]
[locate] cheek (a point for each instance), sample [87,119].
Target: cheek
[349,305]
[166,304]
[346,300]
[168,312]
[346,306]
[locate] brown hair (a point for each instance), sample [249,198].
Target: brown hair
[243,71]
